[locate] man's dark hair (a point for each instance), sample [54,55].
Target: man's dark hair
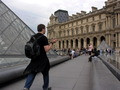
[40,27]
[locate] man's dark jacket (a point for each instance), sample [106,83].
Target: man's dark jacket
[40,63]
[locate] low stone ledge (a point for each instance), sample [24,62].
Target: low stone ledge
[8,74]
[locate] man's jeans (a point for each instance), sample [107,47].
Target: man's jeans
[31,78]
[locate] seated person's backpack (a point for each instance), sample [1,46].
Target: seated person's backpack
[32,48]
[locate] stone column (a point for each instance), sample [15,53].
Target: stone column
[79,44]
[107,39]
[109,22]
[116,39]
[98,42]
[85,43]
[109,43]
[118,19]
[90,28]
[97,27]
[119,39]
[69,44]
[57,45]
[65,45]
[103,26]
[74,44]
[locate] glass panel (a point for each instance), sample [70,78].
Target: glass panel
[31,32]
[12,61]
[3,8]
[11,33]
[9,16]
[4,43]
[27,33]
[19,44]
[3,24]
[12,50]
[18,25]
[0,49]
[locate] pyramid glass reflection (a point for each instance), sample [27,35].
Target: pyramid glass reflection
[14,33]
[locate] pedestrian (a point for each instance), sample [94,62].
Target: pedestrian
[41,62]
[90,48]
[69,52]
[72,53]
[95,53]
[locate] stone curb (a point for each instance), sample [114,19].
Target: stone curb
[8,74]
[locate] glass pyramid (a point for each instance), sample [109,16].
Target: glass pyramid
[104,46]
[14,33]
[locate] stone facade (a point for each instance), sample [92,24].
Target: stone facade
[84,28]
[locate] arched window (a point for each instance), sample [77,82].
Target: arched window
[82,42]
[59,45]
[76,43]
[71,43]
[95,42]
[67,43]
[102,38]
[88,41]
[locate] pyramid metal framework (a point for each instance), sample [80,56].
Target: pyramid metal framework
[14,33]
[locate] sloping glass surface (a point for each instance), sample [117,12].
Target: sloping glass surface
[14,33]
[3,24]
[9,16]
[4,43]
[3,8]
[104,46]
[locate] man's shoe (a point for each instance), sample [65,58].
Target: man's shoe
[48,88]
[25,89]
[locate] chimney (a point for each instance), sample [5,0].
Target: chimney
[78,14]
[83,12]
[94,9]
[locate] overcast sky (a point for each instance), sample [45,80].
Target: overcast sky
[34,12]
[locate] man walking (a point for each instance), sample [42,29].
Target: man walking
[41,62]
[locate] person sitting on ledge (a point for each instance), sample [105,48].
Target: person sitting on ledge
[95,53]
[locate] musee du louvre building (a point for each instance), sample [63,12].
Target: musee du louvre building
[81,29]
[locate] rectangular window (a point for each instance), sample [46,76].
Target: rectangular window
[113,22]
[93,27]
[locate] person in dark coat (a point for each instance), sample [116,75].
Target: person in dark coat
[40,63]
[95,53]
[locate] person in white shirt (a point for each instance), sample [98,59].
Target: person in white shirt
[72,54]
